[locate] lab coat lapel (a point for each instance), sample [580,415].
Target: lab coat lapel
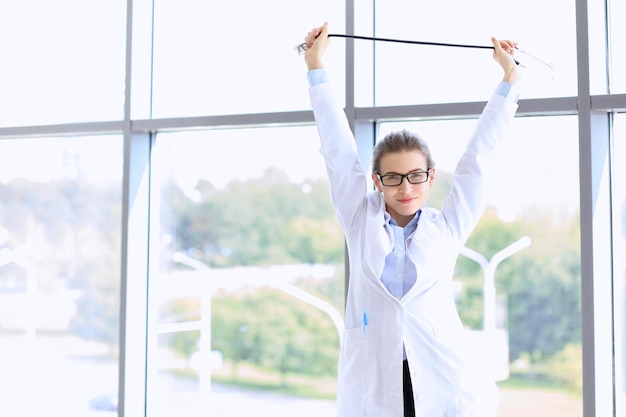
[378,240]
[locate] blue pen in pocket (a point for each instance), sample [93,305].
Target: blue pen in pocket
[364,322]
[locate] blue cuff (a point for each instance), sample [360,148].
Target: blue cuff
[317,76]
[506,90]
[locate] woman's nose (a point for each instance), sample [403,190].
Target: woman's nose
[406,185]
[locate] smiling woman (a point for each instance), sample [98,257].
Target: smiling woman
[402,254]
[403,198]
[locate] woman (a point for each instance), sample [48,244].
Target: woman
[403,349]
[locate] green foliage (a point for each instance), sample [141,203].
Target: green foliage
[566,367]
[490,236]
[268,328]
[321,241]
[258,222]
[74,228]
[72,232]
[541,283]
[331,289]
[272,221]
[263,327]
[470,301]
[180,310]
[543,288]
[440,189]
[562,370]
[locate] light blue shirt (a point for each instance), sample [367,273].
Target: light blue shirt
[399,273]
[319,76]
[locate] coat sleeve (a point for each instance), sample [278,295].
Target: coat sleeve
[348,182]
[467,200]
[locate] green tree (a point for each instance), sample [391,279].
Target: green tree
[543,288]
[541,283]
[265,221]
[271,329]
[71,230]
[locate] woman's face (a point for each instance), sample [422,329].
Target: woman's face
[404,200]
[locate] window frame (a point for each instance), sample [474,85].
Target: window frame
[594,114]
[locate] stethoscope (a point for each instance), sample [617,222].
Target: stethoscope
[302,47]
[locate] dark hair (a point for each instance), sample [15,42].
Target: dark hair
[400,141]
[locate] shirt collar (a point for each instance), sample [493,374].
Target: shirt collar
[410,227]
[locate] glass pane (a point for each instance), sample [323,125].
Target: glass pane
[60,246]
[619,259]
[597,20]
[416,74]
[618,52]
[542,373]
[220,58]
[64,61]
[248,297]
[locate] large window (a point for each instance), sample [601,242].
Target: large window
[59,275]
[166,235]
[233,57]
[246,306]
[538,360]
[417,74]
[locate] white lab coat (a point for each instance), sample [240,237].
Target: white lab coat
[445,381]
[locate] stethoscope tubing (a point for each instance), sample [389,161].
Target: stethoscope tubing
[302,47]
[374,38]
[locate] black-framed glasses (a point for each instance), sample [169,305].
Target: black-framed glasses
[416,177]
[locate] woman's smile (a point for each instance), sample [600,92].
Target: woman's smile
[407,200]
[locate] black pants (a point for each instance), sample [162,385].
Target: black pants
[409,406]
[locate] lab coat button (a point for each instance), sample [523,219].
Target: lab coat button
[419,397]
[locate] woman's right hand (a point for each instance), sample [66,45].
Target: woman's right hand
[503,54]
[316,43]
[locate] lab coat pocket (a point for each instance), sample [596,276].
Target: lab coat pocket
[357,333]
[357,366]
[448,335]
[428,329]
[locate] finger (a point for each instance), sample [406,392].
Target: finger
[311,36]
[497,46]
[320,33]
[324,29]
[508,45]
[316,33]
